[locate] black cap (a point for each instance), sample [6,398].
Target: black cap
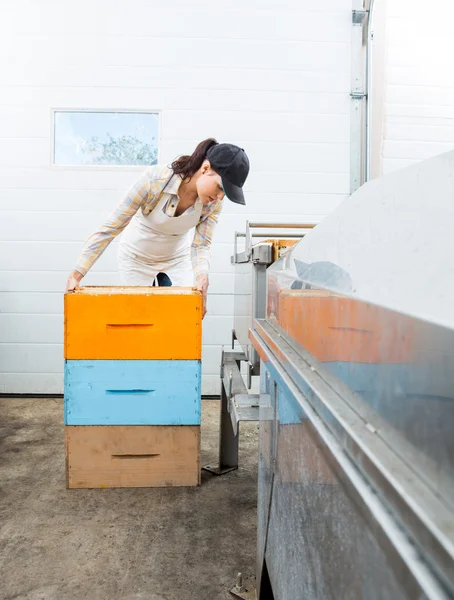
[232,164]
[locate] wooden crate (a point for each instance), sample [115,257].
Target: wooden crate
[280,247]
[132,456]
[142,323]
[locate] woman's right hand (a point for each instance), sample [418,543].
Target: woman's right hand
[73,281]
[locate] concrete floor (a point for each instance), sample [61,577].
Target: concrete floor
[153,544]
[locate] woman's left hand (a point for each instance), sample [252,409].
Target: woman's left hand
[201,283]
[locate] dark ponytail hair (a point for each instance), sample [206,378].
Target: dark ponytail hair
[187,166]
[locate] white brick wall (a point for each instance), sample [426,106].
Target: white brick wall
[271,75]
[419,82]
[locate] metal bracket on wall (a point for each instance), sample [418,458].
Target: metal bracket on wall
[358,16]
[358,95]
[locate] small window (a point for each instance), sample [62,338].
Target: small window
[102,138]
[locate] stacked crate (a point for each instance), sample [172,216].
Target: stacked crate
[132,387]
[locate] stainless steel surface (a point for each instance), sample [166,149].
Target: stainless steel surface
[236,356]
[266,466]
[356,467]
[240,405]
[358,433]
[228,442]
[321,512]
[236,406]
[282,225]
[244,407]
[268,234]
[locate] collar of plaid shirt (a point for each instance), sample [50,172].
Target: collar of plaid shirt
[172,186]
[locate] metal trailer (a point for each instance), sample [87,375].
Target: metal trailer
[354,331]
[356,460]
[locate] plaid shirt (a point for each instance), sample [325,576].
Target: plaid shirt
[145,194]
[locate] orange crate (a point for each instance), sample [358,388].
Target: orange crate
[133,323]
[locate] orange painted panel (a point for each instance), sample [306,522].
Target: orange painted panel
[133,323]
[336,328]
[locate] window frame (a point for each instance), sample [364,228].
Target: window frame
[136,111]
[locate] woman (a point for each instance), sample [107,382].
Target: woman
[157,247]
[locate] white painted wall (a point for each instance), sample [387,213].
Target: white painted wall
[270,75]
[413,71]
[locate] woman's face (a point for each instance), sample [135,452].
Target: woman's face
[209,185]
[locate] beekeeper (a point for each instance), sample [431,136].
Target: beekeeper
[167,241]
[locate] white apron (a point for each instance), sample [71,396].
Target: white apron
[157,243]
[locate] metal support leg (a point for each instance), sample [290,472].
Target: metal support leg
[228,442]
[236,405]
[228,447]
